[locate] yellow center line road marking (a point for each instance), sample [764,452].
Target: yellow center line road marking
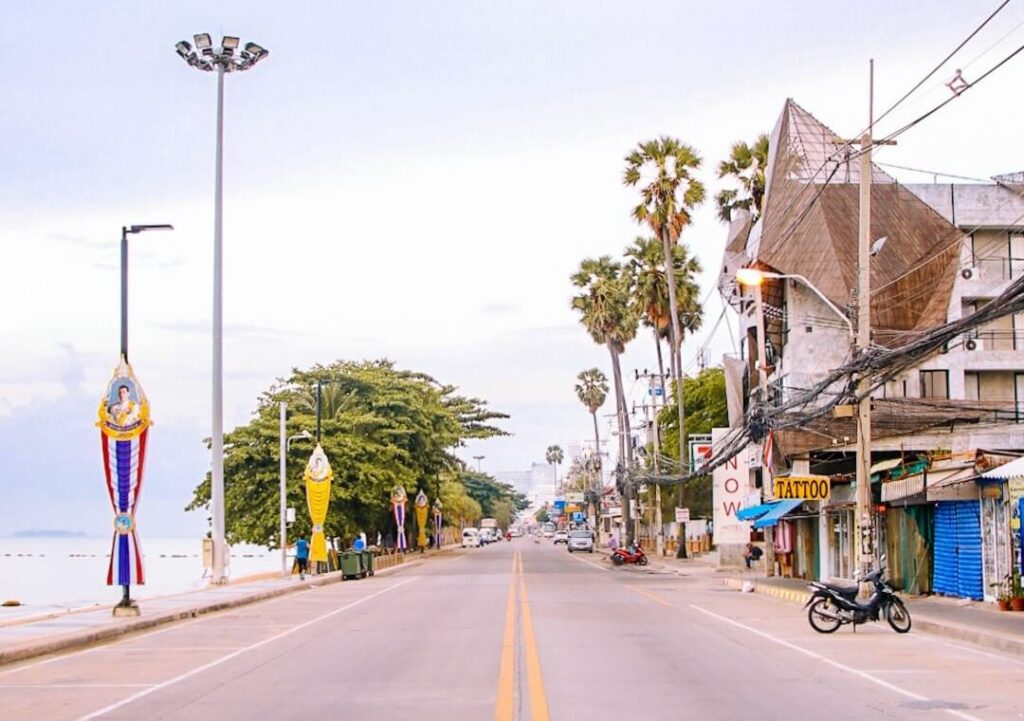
[656,599]
[504,706]
[534,680]
[835,664]
[206,666]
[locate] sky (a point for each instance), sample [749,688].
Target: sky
[414,180]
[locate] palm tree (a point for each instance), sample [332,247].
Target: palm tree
[666,203]
[747,165]
[554,456]
[645,263]
[611,319]
[592,390]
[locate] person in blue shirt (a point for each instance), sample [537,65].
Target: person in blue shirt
[302,556]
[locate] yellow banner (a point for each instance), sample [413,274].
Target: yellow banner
[318,477]
[804,488]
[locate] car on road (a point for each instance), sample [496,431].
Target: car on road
[580,540]
[561,536]
[470,538]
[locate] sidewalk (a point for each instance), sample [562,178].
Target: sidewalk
[975,622]
[39,636]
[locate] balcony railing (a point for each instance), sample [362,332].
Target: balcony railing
[983,339]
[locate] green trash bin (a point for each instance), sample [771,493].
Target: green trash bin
[351,567]
[368,562]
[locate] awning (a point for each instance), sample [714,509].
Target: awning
[767,514]
[887,465]
[780,509]
[1013,469]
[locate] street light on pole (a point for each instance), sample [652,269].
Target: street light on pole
[125,231]
[478,460]
[225,59]
[286,443]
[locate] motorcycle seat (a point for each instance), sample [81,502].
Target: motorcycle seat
[843,589]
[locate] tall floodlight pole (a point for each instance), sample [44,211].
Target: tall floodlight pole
[225,59]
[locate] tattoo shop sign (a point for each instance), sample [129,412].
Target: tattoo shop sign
[804,488]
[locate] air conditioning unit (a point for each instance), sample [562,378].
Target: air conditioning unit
[967,273]
[973,344]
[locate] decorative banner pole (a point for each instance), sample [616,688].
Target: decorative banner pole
[318,477]
[422,507]
[124,427]
[398,499]
[437,522]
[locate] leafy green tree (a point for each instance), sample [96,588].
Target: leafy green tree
[706,408]
[554,456]
[606,311]
[541,515]
[645,264]
[381,426]
[592,390]
[746,165]
[489,493]
[669,193]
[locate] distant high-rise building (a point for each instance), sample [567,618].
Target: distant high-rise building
[543,482]
[521,481]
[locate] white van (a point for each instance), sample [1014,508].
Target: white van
[470,538]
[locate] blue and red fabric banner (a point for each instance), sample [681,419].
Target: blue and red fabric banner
[124,431]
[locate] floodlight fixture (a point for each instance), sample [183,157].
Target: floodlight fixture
[225,58]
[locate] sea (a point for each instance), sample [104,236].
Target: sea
[47,574]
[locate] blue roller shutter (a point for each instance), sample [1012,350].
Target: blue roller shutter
[958,558]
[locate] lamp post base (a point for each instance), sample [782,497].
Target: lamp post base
[127,609]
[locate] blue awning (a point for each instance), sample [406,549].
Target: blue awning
[778,510]
[749,514]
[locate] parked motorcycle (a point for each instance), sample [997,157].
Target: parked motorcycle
[833,605]
[632,554]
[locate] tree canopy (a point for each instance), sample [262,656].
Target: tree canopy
[381,426]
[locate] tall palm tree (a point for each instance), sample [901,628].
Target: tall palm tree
[669,196]
[554,457]
[592,390]
[645,263]
[746,165]
[611,319]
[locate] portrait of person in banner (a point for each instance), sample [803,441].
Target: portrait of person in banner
[123,410]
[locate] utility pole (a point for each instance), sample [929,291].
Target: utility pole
[656,381]
[864,521]
[762,376]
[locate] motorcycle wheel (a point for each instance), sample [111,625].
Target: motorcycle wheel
[820,623]
[642,561]
[617,560]
[898,616]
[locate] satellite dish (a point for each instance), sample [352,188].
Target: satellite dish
[877,247]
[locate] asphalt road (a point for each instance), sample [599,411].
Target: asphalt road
[519,630]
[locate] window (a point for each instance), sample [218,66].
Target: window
[935,384]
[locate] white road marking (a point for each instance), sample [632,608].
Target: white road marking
[589,563]
[239,652]
[23,686]
[835,664]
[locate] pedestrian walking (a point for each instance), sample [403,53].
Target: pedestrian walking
[613,542]
[302,556]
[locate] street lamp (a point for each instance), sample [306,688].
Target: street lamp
[478,459]
[754,278]
[286,444]
[225,59]
[125,231]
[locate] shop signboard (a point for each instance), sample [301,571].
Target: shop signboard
[804,488]
[682,515]
[730,485]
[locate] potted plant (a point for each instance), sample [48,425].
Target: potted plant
[1003,593]
[1016,593]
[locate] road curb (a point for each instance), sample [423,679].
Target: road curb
[45,647]
[958,632]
